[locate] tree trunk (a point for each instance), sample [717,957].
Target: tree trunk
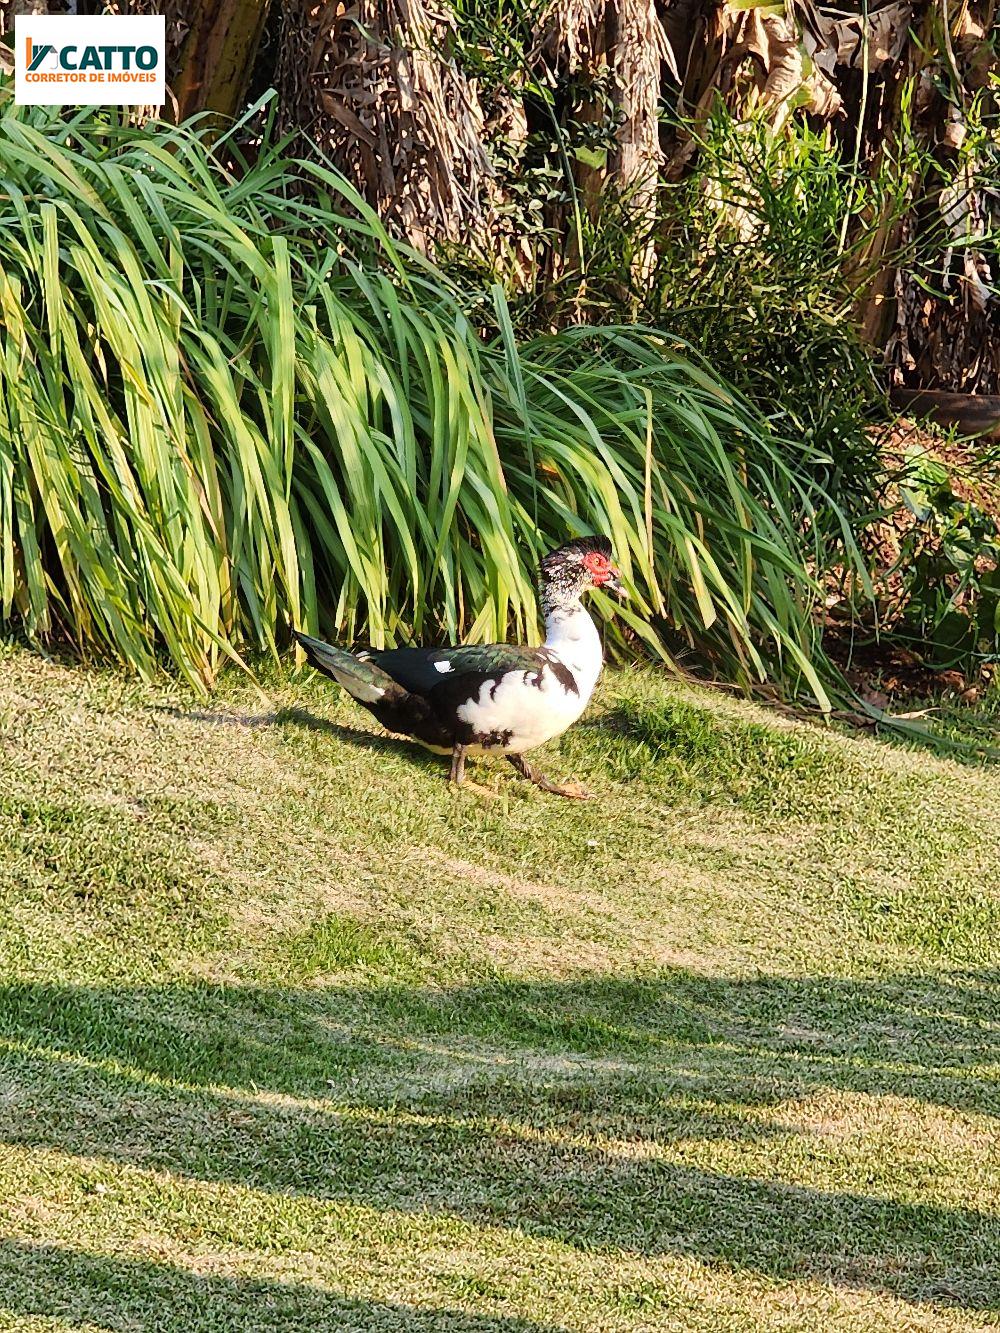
[9,10]
[214,61]
[624,39]
[892,77]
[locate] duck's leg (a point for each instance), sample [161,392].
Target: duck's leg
[458,778]
[571,789]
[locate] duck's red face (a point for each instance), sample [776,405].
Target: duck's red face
[602,572]
[570,570]
[599,566]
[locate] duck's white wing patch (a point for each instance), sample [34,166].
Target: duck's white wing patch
[442,666]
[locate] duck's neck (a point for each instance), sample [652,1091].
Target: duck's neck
[573,636]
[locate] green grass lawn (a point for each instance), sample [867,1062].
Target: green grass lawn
[294,1037]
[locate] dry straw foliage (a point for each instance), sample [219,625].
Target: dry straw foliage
[374,85]
[380,87]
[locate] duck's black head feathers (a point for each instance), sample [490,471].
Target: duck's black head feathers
[565,573]
[574,551]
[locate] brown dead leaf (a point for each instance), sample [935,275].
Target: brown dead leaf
[773,41]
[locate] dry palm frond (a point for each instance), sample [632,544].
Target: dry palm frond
[373,84]
[627,38]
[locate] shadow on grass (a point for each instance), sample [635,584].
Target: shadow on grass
[536,1107]
[379,742]
[49,1281]
[290,716]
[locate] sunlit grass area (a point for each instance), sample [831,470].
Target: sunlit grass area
[291,1036]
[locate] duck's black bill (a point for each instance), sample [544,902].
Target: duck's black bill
[614,585]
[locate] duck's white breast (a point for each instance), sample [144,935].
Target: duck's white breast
[537,705]
[533,707]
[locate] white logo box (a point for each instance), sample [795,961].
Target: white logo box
[73,60]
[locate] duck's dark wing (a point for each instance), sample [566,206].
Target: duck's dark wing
[422,670]
[409,713]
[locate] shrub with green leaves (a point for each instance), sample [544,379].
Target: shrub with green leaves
[764,251]
[230,404]
[949,571]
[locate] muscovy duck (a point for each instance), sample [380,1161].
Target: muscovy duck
[495,698]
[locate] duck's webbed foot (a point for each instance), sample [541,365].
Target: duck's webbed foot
[573,790]
[457,777]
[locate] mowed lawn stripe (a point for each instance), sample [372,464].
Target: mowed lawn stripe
[292,1036]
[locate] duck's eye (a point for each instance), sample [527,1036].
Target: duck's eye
[597,564]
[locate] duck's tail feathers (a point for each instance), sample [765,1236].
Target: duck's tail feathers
[362,679]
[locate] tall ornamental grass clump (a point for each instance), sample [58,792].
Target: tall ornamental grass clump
[230,404]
